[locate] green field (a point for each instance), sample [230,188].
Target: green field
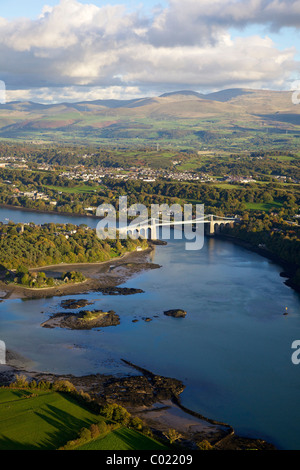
[263,206]
[44,421]
[47,420]
[75,189]
[123,439]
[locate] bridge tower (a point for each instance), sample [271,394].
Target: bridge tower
[153,229]
[211,226]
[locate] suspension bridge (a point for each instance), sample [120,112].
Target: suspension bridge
[151,225]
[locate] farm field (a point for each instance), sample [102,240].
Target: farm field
[267,206]
[47,420]
[41,420]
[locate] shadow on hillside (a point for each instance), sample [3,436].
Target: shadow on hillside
[62,425]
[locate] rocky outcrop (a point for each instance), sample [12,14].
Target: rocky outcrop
[83,320]
[120,291]
[178,313]
[146,389]
[74,304]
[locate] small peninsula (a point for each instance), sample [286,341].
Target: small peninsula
[34,246]
[58,259]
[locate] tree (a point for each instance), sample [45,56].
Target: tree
[116,413]
[64,386]
[267,197]
[50,281]
[204,445]
[172,435]
[102,427]
[25,279]
[85,435]
[94,429]
[20,381]
[21,269]
[136,423]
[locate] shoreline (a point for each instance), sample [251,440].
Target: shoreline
[289,268]
[84,265]
[38,211]
[111,273]
[153,398]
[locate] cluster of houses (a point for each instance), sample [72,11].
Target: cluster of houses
[61,230]
[34,195]
[147,175]
[284,179]
[13,162]
[239,179]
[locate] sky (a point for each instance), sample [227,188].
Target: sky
[73,50]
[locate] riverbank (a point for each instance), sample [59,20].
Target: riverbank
[154,399]
[99,276]
[54,212]
[289,268]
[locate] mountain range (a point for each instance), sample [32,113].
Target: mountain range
[143,117]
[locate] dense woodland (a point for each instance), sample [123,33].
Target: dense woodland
[221,200]
[279,238]
[49,244]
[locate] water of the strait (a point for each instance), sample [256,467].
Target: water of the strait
[232,351]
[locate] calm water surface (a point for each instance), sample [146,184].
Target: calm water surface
[232,351]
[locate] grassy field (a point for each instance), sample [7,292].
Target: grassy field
[263,206]
[44,421]
[76,189]
[123,439]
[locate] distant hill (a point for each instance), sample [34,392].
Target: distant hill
[149,117]
[223,95]
[227,95]
[183,93]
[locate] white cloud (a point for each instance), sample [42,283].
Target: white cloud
[73,94]
[186,44]
[232,62]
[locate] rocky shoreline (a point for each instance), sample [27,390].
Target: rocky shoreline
[156,400]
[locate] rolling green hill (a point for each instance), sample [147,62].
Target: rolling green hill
[172,118]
